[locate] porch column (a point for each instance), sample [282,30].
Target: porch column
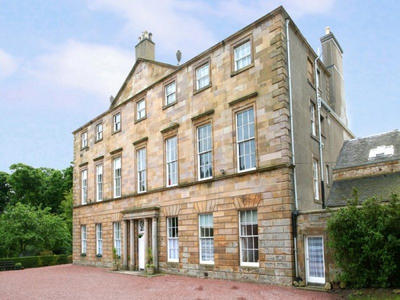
[132,245]
[125,245]
[154,245]
[146,241]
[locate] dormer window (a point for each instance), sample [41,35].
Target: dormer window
[381,151]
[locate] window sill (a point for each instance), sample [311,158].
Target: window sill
[85,148]
[247,170]
[98,141]
[250,265]
[234,73]
[169,105]
[315,138]
[202,89]
[205,179]
[140,120]
[205,263]
[173,261]
[115,132]
[171,186]
[142,192]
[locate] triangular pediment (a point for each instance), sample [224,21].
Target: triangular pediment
[144,73]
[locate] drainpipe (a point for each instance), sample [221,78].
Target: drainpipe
[295,212]
[321,144]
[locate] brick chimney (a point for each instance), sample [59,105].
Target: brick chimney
[332,54]
[145,47]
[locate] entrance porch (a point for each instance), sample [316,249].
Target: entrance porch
[139,233]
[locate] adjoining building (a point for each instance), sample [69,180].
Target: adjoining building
[366,167]
[210,163]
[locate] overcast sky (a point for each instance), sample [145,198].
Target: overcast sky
[61,60]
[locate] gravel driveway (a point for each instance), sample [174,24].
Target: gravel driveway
[78,282]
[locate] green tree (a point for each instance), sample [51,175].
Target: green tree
[66,209]
[366,242]
[4,191]
[43,187]
[25,229]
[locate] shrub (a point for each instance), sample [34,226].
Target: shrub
[39,261]
[366,242]
[18,266]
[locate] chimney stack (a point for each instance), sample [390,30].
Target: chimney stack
[332,54]
[145,47]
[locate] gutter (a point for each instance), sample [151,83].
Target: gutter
[295,211]
[321,144]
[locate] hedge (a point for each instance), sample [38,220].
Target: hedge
[40,261]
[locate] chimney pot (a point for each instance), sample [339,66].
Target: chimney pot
[327,30]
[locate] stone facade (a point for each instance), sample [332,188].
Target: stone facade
[267,188]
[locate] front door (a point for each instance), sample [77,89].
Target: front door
[141,252]
[315,265]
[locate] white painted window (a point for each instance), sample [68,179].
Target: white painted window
[117,122]
[170,93]
[140,109]
[206,235]
[313,124]
[141,170]
[117,237]
[83,239]
[248,224]
[242,54]
[84,187]
[117,177]
[99,132]
[173,239]
[171,161]
[316,179]
[84,140]
[202,76]
[246,149]
[204,151]
[99,182]
[315,264]
[99,240]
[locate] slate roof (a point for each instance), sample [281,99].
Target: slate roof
[381,186]
[356,152]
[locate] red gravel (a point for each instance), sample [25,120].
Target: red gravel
[78,282]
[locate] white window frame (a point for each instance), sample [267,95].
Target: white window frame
[99,239]
[84,186]
[84,140]
[170,94]
[117,237]
[237,58]
[141,170]
[315,170]
[172,238]
[242,236]
[200,77]
[140,111]
[320,280]
[249,139]
[206,262]
[83,239]
[99,133]
[204,152]
[171,160]
[117,122]
[313,124]
[99,182]
[117,177]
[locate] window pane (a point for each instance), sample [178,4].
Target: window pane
[242,55]
[202,76]
[249,236]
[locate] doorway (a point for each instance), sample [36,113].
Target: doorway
[315,264]
[141,244]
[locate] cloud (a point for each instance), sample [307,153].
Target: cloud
[93,68]
[8,64]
